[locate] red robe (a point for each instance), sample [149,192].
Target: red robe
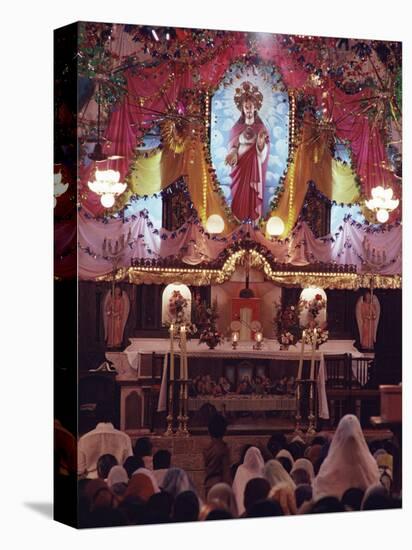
[249,174]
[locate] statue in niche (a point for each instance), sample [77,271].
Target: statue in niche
[248,154]
[367,316]
[115,313]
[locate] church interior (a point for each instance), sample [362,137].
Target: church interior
[228,264]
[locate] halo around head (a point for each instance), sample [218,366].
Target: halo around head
[248,91]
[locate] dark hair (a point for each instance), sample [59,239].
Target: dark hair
[300,477]
[217,426]
[104,464]
[218,513]
[327,505]
[322,455]
[264,509]
[103,413]
[132,463]
[302,494]
[161,459]
[286,463]
[134,509]
[277,441]
[186,507]
[256,489]
[296,449]
[143,447]
[377,499]
[107,517]
[352,498]
[159,508]
[319,440]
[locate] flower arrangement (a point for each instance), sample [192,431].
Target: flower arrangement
[321,336]
[287,324]
[177,309]
[313,306]
[210,335]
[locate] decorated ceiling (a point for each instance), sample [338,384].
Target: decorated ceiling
[166,111]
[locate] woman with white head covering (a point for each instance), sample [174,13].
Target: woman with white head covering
[285,454]
[275,473]
[348,464]
[304,464]
[252,467]
[117,480]
[222,492]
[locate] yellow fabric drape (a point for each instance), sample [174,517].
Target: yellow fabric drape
[145,177]
[344,187]
[312,161]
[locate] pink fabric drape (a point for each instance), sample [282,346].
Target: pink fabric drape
[192,245]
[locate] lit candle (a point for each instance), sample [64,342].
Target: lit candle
[235,336]
[259,337]
[183,360]
[302,352]
[312,360]
[172,354]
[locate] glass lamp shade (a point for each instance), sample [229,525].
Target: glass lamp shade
[275,226]
[215,224]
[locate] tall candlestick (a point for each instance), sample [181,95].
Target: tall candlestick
[302,352]
[312,359]
[172,354]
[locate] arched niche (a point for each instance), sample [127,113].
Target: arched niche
[307,295]
[170,292]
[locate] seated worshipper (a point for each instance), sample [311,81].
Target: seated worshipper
[185,507]
[222,493]
[218,513]
[117,480]
[303,464]
[376,497]
[131,464]
[275,473]
[176,481]
[296,449]
[143,448]
[285,496]
[384,460]
[252,467]
[303,493]
[159,508]
[326,505]
[104,439]
[140,486]
[348,464]
[161,463]
[286,459]
[352,499]
[276,443]
[300,477]
[98,495]
[150,475]
[256,489]
[216,456]
[104,465]
[264,509]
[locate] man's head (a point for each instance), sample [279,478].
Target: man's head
[161,459]
[217,426]
[104,464]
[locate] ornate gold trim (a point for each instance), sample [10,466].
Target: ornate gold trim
[201,277]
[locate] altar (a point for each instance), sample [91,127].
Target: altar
[135,373]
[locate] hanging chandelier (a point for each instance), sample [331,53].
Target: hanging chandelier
[382,203]
[59,187]
[107,185]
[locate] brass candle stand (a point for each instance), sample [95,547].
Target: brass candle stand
[311,417]
[170,415]
[298,416]
[183,418]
